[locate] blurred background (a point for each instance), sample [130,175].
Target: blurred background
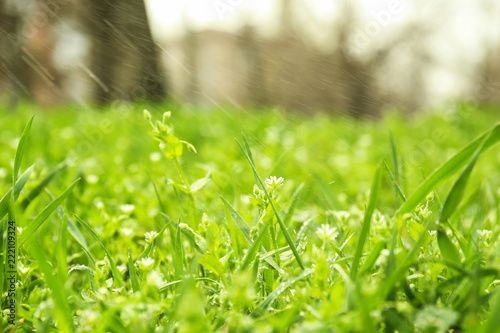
[352,57]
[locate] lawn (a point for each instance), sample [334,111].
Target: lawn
[243,221]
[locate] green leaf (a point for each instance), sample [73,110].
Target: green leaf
[450,167]
[200,183]
[40,219]
[116,274]
[173,147]
[211,263]
[365,229]
[447,248]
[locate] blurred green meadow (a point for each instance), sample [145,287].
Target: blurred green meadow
[342,226]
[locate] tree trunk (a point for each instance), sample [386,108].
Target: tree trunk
[124,62]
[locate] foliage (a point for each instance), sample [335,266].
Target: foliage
[301,224]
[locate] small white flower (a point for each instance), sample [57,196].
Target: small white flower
[326,233]
[19,230]
[92,179]
[146,263]
[274,182]
[99,205]
[183,226]
[484,234]
[23,270]
[342,215]
[150,236]
[125,231]
[3,172]
[154,279]
[127,209]
[433,233]
[155,157]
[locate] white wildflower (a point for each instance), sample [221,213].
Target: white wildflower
[155,157]
[326,233]
[150,236]
[154,279]
[146,263]
[92,179]
[127,209]
[274,182]
[342,216]
[125,231]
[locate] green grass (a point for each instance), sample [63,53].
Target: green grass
[381,225]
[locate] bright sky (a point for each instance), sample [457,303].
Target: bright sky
[458,27]
[167,16]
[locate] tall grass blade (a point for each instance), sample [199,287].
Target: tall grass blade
[457,191]
[261,308]
[283,227]
[4,202]
[134,280]
[252,252]
[21,147]
[62,310]
[447,248]
[116,274]
[449,168]
[245,230]
[39,188]
[40,219]
[365,229]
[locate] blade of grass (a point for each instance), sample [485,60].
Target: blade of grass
[395,165]
[21,147]
[365,229]
[252,252]
[449,168]
[62,311]
[39,188]
[132,273]
[4,202]
[178,257]
[245,230]
[372,258]
[399,273]
[283,227]
[293,204]
[38,221]
[261,308]
[448,250]
[77,235]
[114,270]
[457,191]
[397,188]
[61,253]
